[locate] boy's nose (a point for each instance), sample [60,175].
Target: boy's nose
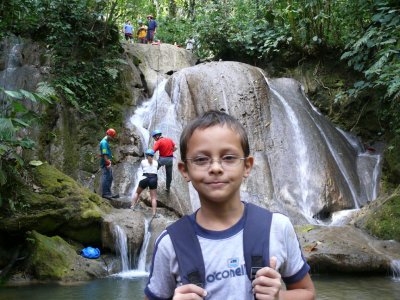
[215,166]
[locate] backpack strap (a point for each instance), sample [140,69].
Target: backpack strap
[256,239]
[188,251]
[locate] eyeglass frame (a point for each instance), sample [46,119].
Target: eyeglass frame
[212,160]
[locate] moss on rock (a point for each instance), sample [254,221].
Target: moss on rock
[384,222]
[51,257]
[58,205]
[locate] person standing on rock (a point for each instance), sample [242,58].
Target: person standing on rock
[149,180]
[128,31]
[142,32]
[165,147]
[151,29]
[105,164]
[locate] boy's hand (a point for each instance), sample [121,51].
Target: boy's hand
[268,282]
[189,292]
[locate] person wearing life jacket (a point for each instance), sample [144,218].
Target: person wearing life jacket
[165,147]
[105,164]
[151,29]
[142,32]
[148,180]
[228,248]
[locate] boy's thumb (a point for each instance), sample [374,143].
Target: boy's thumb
[272,262]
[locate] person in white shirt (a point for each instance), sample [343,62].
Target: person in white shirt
[148,180]
[190,44]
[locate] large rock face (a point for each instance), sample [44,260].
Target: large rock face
[328,169]
[58,204]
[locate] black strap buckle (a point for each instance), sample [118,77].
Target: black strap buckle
[254,271]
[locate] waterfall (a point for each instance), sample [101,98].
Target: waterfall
[366,161]
[395,266]
[121,247]
[121,242]
[302,155]
[143,251]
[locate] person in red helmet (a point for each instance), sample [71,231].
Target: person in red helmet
[166,148]
[105,164]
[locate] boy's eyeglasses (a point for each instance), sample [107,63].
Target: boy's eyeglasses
[226,161]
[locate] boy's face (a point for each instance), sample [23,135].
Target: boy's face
[216,183]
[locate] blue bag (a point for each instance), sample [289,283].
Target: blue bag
[90,252]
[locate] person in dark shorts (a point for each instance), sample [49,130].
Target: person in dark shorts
[148,180]
[151,29]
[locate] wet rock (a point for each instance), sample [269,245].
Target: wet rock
[346,249]
[54,259]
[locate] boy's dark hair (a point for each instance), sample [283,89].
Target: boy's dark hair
[209,119]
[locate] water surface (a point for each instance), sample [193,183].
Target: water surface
[117,288]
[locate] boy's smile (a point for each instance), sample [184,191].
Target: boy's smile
[219,180]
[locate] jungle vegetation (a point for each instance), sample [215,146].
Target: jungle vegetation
[85,35]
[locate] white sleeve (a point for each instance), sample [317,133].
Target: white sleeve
[285,246]
[164,270]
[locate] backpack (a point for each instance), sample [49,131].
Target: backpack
[256,234]
[90,252]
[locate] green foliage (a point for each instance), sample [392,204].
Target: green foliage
[385,222]
[375,52]
[15,119]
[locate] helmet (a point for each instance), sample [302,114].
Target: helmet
[140,22]
[155,132]
[150,152]
[111,132]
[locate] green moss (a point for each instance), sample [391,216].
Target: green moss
[392,161]
[384,223]
[51,257]
[55,182]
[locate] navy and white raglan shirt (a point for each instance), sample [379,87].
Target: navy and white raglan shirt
[224,262]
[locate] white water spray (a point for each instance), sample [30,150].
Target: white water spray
[121,247]
[395,266]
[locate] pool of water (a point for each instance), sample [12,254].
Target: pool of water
[126,287]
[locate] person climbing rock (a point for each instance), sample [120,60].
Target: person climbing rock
[105,164]
[151,29]
[165,147]
[148,180]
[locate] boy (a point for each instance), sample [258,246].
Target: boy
[215,158]
[149,179]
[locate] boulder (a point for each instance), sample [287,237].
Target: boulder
[56,204]
[52,258]
[346,249]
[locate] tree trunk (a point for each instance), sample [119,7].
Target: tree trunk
[172,9]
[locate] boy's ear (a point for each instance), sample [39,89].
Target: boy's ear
[183,169]
[248,165]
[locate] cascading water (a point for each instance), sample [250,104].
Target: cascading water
[121,247]
[143,251]
[368,165]
[302,157]
[395,265]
